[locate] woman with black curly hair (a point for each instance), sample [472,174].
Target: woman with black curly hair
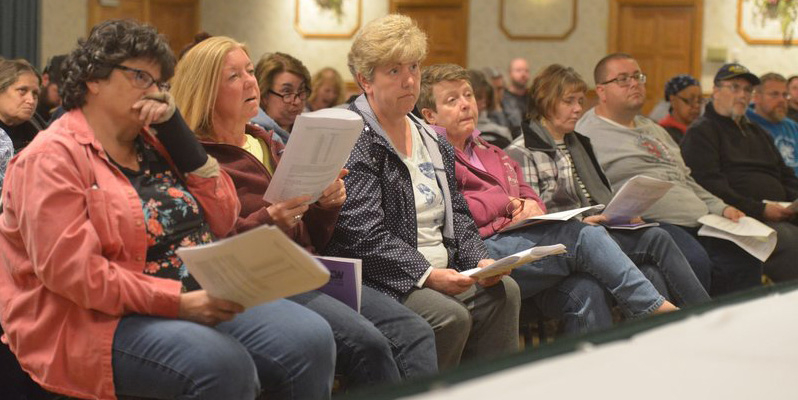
[95,302]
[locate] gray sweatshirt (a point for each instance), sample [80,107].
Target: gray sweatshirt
[649,150]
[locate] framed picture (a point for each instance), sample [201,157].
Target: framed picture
[537,20]
[767,22]
[328,19]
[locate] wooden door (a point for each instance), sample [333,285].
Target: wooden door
[446,25]
[664,36]
[178,20]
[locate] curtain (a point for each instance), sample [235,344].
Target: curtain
[19,29]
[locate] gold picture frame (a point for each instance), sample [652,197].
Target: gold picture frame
[325,19]
[514,36]
[746,28]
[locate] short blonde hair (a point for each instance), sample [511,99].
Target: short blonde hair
[549,86]
[327,75]
[271,64]
[196,81]
[392,38]
[434,74]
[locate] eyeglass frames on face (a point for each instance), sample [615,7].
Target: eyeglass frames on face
[777,95]
[289,98]
[142,79]
[696,101]
[737,88]
[624,80]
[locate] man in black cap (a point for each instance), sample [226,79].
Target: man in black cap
[737,161]
[49,99]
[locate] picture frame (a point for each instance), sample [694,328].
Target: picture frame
[758,26]
[328,19]
[558,19]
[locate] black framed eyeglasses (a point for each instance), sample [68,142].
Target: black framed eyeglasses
[696,101]
[141,79]
[624,80]
[289,98]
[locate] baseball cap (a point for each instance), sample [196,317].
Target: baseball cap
[734,70]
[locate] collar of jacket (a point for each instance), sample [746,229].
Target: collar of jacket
[431,142]
[727,122]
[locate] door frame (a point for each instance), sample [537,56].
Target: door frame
[395,4]
[698,33]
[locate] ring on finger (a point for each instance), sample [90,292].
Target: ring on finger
[297,217]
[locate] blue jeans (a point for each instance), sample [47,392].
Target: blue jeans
[733,269]
[693,251]
[660,260]
[579,302]
[590,250]
[384,343]
[281,349]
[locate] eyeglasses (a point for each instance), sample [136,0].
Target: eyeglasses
[736,88]
[776,95]
[624,80]
[142,79]
[289,98]
[695,101]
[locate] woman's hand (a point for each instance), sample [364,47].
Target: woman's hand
[595,219]
[524,208]
[335,194]
[287,214]
[155,108]
[198,306]
[448,281]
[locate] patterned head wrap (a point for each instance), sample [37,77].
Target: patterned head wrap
[677,84]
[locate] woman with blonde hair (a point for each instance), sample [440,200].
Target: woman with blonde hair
[404,216]
[326,89]
[215,84]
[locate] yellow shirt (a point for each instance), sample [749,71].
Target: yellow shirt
[258,148]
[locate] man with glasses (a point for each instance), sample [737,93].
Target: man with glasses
[627,144]
[737,160]
[771,102]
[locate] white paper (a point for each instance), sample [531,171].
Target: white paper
[634,198]
[631,227]
[255,267]
[558,216]
[756,238]
[786,204]
[320,144]
[515,260]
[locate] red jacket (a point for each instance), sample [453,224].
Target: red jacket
[488,192]
[74,244]
[251,178]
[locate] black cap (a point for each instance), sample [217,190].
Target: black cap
[734,70]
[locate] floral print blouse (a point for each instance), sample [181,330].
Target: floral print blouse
[172,215]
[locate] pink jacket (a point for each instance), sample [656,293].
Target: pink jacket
[488,193]
[73,245]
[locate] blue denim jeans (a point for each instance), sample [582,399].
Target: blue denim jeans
[590,250]
[659,258]
[384,343]
[693,251]
[579,301]
[280,349]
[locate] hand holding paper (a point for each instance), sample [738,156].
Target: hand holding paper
[514,261]
[756,238]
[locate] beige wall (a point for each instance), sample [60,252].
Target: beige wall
[267,25]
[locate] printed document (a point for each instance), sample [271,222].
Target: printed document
[255,267]
[346,281]
[320,144]
[558,216]
[634,198]
[514,261]
[751,235]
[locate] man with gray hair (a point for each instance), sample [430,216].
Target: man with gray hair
[737,160]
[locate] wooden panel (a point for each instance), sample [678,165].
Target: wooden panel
[177,19]
[662,36]
[446,26]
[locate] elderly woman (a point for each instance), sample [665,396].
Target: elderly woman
[95,302]
[19,94]
[219,101]
[683,93]
[404,216]
[497,196]
[283,82]
[326,89]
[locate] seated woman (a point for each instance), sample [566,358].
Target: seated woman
[219,102]
[404,216]
[326,89]
[497,196]
[95,302]
[19,94]
[283,82]
[683,93]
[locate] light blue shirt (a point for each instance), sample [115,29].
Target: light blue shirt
[785,136]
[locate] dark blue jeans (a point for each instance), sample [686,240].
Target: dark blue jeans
[579,301]
[733,269]
[281,349]
[384,343]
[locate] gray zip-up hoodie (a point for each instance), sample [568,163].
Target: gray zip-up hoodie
[649,150]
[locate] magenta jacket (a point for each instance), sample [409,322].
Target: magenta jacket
[488,192]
